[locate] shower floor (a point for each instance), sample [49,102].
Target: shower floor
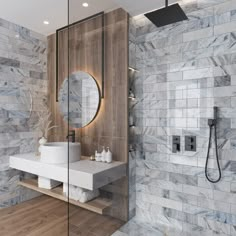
[48,217]
[133,228]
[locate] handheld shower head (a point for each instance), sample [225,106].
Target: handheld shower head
[212,122]
[213,125]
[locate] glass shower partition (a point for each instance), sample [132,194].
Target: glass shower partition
[31,195]
[98,117]
[85,89]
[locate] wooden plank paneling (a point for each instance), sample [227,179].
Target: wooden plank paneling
[110,127]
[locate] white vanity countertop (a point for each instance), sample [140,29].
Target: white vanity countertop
[84,173]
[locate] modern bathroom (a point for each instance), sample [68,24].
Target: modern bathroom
[118,118]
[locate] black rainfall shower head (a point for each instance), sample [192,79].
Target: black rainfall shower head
[167,15]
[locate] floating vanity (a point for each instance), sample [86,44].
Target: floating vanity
[85,174]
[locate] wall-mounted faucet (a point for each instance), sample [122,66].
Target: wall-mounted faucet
[72,135]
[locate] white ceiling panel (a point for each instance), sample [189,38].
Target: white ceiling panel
[141,6]
[32,13]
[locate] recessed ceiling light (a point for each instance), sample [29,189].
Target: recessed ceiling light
[85,4]
[46,22]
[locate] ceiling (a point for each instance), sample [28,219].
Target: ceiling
[32,13]
[137,7]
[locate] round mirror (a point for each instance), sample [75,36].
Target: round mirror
[84,99]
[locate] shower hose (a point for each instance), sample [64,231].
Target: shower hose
[217,155]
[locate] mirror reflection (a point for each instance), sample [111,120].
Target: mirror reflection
[84,99]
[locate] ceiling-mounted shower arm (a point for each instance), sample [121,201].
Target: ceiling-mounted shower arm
[166,3]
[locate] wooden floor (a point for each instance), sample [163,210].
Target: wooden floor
[46,216]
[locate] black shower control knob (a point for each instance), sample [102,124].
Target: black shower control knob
[190,143]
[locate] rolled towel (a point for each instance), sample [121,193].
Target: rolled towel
[47,183]
[88,195]
[80,194]
[75,192]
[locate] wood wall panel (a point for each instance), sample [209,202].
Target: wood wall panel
[110,127]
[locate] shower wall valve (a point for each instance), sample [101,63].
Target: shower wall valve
[175,144]
[190,143]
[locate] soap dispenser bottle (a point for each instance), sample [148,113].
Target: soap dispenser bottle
[108,156]
[103,158]
[97,156]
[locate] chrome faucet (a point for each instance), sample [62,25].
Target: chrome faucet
[72,135]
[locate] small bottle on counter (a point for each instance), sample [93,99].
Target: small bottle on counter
[103,155]
[97,156]
[108,156]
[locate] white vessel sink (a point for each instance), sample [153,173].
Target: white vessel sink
[57,153]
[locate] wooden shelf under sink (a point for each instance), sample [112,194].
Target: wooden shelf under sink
[98,205]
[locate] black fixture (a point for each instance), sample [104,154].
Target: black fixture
[190,143]
[175,144]
[167,15]
[103,48]
[213,125]
[72,135]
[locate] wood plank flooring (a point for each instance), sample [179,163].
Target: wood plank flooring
[46,216]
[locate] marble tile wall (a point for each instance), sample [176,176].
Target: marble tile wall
[135,140]
[22,76]
[184,70]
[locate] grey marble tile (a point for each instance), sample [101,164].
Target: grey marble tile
[182,85]
[161,52]
[224,28]
[233,230]
[183,179]
[224,91]
[214,41]
[222,18]
[134,228]
[233,15]
[209,3]
[223,196]
[189,46]
[206,82]
[225,70]
[203,78]
[198,34]
[181,66]
[197,54]
[28,53]
[9,62]
[155,70]
[225,6]
[222,81]
[197,229]
[168,59]
[200,13]
[199,73]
